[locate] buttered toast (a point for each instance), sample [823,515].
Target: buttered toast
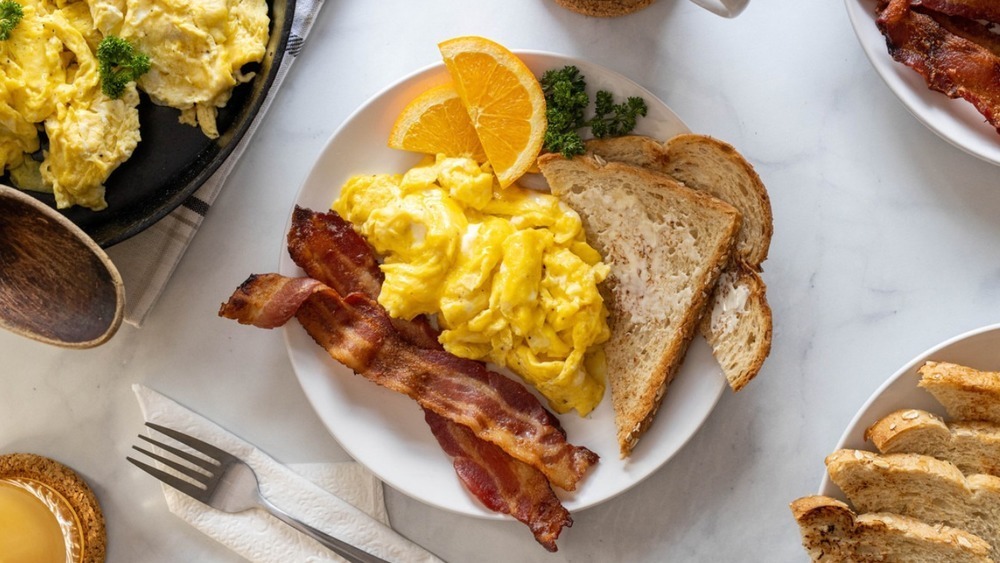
[740,325]
[666,245]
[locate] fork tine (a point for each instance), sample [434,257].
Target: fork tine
[192,473]
[172,480]
[203,447]
[200,462]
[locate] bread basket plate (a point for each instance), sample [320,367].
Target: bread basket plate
[979,348]
[385,431]
[955,121]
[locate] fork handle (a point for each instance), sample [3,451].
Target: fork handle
[341,548]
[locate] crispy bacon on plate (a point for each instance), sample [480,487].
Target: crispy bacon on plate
[357,332]
[988,10]
[329,249]
[502,483]
[971,30]
[949,63]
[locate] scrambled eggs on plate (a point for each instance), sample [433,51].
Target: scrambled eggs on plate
[50,83]
[507,271]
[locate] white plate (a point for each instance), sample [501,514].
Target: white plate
[979,349]
[385,431]
[955,121]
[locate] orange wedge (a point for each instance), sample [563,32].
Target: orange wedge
[436,122]
[504,102]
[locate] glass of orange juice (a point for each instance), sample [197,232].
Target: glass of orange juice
[47,513]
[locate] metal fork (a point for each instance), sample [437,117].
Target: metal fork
[227,483]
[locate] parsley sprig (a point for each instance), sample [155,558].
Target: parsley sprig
[119,63]
[10,15]
[566,102]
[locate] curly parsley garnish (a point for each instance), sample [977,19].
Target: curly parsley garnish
[119,63]
[566,101]
[10,15]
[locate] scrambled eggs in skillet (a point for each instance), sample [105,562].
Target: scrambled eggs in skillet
[507,272]
[197,49]
[49,76]
[49,79]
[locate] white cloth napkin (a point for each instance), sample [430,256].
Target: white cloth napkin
[348,506]
[147,260]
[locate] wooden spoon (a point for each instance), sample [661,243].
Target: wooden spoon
[56,285]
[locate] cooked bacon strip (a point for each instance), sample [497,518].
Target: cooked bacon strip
[988,10]
[970,30]
[503,484]
[357,332]
[328,249]
[950,64]
[275,303]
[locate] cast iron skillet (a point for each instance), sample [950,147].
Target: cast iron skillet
[174,159]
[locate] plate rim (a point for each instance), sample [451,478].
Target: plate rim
[291,331]
[826,486]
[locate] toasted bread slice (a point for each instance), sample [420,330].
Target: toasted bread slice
[666,245]
[709,165]
[966,393]
[740,326]
[974,446]
[832,532]
[920,487]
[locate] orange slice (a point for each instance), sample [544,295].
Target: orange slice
[436,122]
[504,101]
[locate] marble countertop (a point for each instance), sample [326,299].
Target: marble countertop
[885,244]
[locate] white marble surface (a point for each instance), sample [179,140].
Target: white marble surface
[885,244]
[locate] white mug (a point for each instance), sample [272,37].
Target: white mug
[724,8]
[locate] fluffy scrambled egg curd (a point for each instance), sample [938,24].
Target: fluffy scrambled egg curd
[49,76]
[508,272]
[50,79]
[197,49]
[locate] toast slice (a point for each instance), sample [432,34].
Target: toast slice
[742,340]
[666,245]
[738,325]
[966,393]
[920,487]
[709,165]
[974,446]
[832,532]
